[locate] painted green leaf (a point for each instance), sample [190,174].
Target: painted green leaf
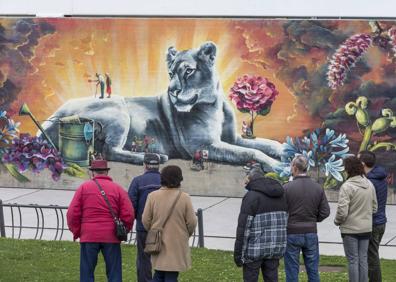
[75,171]
[276,176]
[330,183]
[13,170]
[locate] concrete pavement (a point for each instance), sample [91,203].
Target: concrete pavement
[220,220]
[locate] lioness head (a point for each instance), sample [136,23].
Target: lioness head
[192,77]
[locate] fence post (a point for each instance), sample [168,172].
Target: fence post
[200,228]
[2,227]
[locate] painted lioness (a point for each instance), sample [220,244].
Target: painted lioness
[193,114]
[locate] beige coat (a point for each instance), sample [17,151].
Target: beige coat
[175,253]
[357,202]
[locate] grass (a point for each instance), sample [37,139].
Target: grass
[30,260]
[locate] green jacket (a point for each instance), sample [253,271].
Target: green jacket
[356,204]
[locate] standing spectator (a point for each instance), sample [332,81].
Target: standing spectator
[307,205]
[261,233]
[89,219]
[175,252]
[377,175]
[138,191]
[356,204]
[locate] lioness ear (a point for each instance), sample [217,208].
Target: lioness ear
[170,56]
[207,53]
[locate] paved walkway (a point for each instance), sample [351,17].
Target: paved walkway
[220,219]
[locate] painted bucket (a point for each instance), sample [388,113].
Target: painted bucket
[73,144]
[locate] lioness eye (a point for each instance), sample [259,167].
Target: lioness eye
[170,75]
[189,71]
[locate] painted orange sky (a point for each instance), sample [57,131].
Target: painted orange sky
[133,52]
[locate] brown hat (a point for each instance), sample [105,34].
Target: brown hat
[99,165]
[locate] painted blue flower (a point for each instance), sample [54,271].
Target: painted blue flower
[284,169]
[340,141]
[333,167]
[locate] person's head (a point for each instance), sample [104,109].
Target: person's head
[99,167]
[299,165]
[254,173]
[368,159]
[353,166]
[171,176]
[151,161]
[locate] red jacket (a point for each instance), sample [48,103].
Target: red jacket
[89,217]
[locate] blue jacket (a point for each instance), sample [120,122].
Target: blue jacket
[378,177]
[139,189]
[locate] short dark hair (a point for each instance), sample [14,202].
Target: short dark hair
[368,158]
[171,176]
[353,166]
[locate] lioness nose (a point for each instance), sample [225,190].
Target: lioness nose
[175,92]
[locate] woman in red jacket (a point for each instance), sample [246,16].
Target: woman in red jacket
[89,219]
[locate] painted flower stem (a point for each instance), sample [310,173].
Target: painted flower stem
[386,145]
[368,133]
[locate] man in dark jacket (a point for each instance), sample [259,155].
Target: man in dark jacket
[138,191]
[377,175]
[307,205]
[261,232]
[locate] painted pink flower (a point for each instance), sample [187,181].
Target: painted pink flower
[346,57]
[252,93]
[392,36]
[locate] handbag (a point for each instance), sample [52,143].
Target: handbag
[120,229]
[154,235]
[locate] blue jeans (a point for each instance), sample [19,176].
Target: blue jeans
[309,245]
[165,276]
[89,258]
[356,252]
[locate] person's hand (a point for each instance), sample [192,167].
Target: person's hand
[238,261]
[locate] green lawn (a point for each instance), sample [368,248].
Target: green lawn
[29,260]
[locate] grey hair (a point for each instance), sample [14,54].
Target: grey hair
[255,173]
[300,162]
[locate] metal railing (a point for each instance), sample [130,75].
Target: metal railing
[39,221]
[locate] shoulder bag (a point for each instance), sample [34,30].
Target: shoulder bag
[120,229]
[154,235]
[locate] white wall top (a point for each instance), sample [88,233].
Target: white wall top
[257,8]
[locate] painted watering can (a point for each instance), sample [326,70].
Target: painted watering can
[76,139]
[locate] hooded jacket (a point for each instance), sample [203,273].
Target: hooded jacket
[378,177]
[356,204]
[262,222]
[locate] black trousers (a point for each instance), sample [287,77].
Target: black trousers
[269,269]
[143,260]
[374,265]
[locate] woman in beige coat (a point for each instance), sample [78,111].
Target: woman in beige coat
[175,252]
[357,202]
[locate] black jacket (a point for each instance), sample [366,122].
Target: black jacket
[307,205]
[264,195]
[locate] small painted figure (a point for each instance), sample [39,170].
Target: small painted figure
[100,81]
[246,129]
[198,162]
[108,85]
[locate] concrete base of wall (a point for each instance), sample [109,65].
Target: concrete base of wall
[215,180]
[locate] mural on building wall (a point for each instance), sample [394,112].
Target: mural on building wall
[225,91]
